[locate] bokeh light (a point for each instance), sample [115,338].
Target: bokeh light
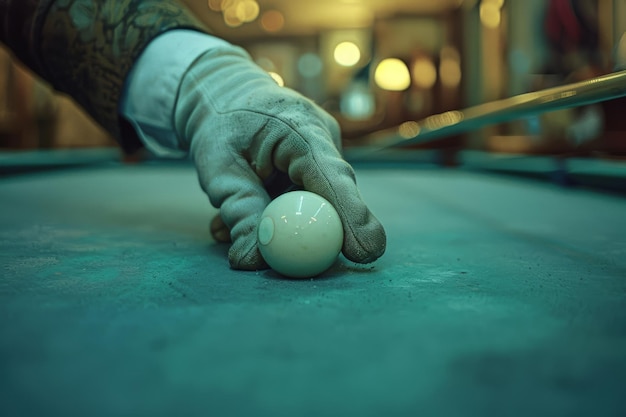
[347,54]
[310,65]
[450,72]
[272,21]
[424,73]
[392,74]
[519,61]
[409,129]
[247,10]
[230,17]
[491,13]
[236,12]
[442,120]
[357,102]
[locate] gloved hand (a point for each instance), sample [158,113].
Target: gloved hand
[243,129]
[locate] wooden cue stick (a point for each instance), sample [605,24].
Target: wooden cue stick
[594,90]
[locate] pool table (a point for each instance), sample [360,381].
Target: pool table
[499,295]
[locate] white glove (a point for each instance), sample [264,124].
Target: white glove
[243,131]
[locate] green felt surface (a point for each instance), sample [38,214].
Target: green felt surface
[497,297]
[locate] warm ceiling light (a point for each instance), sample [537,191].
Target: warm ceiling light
[424,73]
[236,12]
[272,21]
[392,74]
[490,14]
[347,54]
[450,72]
[247,10]
[230,17]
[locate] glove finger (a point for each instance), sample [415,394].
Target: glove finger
[320,169]
[241,197]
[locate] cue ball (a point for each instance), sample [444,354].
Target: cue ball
[300,234]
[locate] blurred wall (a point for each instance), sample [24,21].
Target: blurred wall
[33,116]
[498,58]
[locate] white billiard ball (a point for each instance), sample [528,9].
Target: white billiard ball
[300,234]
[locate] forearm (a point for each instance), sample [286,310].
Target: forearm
[86,48]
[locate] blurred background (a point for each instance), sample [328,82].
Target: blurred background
[376,64]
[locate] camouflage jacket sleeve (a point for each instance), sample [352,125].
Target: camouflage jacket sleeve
[85,48]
